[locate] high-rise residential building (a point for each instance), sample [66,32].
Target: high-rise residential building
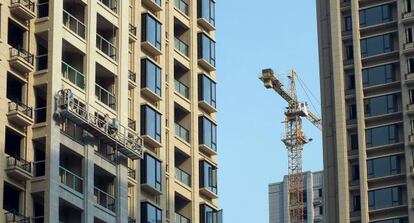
[108,111]
[312,197]
[367,73]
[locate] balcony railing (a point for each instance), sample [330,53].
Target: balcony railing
[182,132]
[73,75]
[111,4]
[181,88]
[42,9]
[20,107]
[74,24]
[131,173]
[181,46]
[105,96]
[39,168]
[71,179]
[106,47]
[183,176]
[182,6]
[132,76]
[132,29]
[22,53]
[104,199]
[12,217]
[131,124]
[19,162]
[181,219]
[38,219]
[40,114]
[131,220]
[26,3]
[41,62]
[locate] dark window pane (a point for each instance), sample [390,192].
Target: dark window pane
[381,135]
[150,123]
[151,76]
[151,172]
[376,45]
[375,15]
[206,49]
[207,133]
[151,30]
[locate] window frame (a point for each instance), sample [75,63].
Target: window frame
[145,122]
[157,89]
[157,184]
[202,78]
[145,32]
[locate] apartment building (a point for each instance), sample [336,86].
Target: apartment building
[108,111]
[312,197]
[367,84]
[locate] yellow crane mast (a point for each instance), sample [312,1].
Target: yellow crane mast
[294,139]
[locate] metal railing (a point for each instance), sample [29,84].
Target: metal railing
[71,179]
[182,176]
[26,3]
[182,6]
[131,124]
[39,168]
[40,114]
[132,76]
[41,62]
[19,162]
[181,46]
[104,199]
[181,88]
[132,29]
[181,219]
[20,107]
[24,54]
[182,132]
[111,4]
[74,24]
[13,217]
[105,96]
[42,9]
[106,46]
[73,75]
[131,173]
[38,219]
[131,220]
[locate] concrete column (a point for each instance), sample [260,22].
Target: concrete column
[122,194]
[89,173]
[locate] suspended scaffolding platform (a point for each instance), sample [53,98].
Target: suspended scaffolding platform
[99,125]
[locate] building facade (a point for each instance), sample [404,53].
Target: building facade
[313,199]
[366,75]
[108,111]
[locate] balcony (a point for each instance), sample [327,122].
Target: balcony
[20,113]
[182,6]
[74,24]
[182,132]
[104,199]
[183,177]
[153,5]
[106,47]
[19,168]
[181,88]
[73,75]
[24,9]
[181,46]
[14,217]
[71,180]
[207,106]
[105,96]
[407,16]
[181,219]
[208,193]
[21,60]
[111,4]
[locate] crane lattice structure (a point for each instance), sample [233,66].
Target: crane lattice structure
[294,139]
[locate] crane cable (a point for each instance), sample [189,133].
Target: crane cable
[306,90]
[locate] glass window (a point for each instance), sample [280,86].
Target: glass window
[352,112]
[208,176]
[354,142]
[351,81]
[382,135]
[409,35]
[207,90]
[410,65]
[151,172]
[151,30]
[207,133]
[349,52]
[150,123]
[356,203]
[348,23]
[384,166]
[151,76]
[206,49]
[395,220]
[407,5]
[355,172]
[209,215]
[150,213]
[376,45]
[381,105]
[375,15]
[384,198]
[207,11]
[378,75]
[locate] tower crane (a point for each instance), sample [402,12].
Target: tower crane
[294,138]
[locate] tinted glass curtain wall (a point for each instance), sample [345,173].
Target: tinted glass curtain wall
[150,213]
[375,15]
[378,75]
[377,45]
[207,11]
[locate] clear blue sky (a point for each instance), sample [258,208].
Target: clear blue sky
[269,33]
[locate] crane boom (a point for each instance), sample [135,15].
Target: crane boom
[294,139]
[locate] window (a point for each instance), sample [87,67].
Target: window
[383,135]
[206,49]
[355,172]
[208,176]
[207,90]
[348,23]
[378,75]
[410,65]
[384,166]
[395,220]
[151,76]
[209,215]
[151,172]
[150,123]
[383,198]
[352,112]
[207,133]
[408,35]
[150,213]
[354,142]
[411,96]
[351,82]
[320,194]
[349,52]
[207,11]
[407,5]
[381,105]
[376,45]
[375,15]
[151,30]
[356,203]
